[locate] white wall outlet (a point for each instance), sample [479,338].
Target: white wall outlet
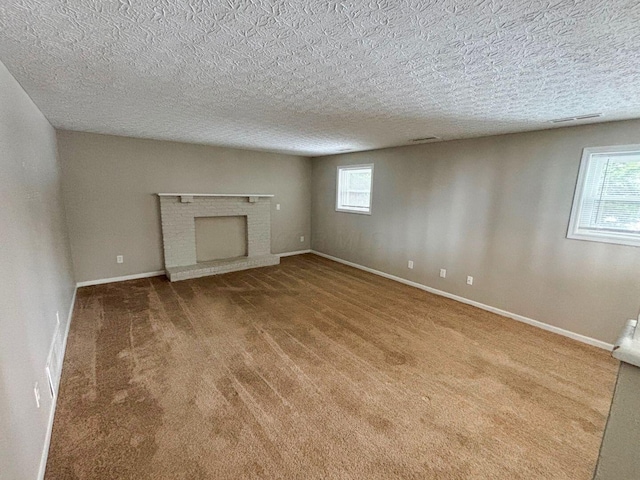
[36,392]
[58,319]
[443,273]
[469,280]
[277,206]
[120,259]
[410,264]
[302,238]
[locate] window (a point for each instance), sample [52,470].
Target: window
[354,189]
[606,206]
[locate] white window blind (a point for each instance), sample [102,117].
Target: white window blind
[354,189]
[606,206]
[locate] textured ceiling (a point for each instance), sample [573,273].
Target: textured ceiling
[315,77]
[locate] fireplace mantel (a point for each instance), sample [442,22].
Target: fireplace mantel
[188,197]
[178,213]
[213,195]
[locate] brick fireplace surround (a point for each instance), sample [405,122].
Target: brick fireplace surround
[179,211]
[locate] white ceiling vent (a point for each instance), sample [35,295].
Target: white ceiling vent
[579,117]
[432,138]
[329,73]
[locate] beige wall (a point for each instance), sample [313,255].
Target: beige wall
[110,182]
[620,450]
[496,208]
[36,276]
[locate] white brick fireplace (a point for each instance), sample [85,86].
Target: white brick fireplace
[179,211]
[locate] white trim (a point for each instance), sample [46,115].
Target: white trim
[158,273]
[54,400]
[289,254]
[545,326]
[120,279]
[346,210]
[573,231]
[354,210]
[214,195]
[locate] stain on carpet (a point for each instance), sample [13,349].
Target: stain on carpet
[312,369]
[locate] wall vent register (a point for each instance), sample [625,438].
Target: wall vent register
[353,189]
[606,205]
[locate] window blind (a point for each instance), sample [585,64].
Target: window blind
[354,189]
[611,194]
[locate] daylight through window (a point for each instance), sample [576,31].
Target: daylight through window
[354,189]
[606,206]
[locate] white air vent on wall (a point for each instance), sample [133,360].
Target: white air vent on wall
[54,362]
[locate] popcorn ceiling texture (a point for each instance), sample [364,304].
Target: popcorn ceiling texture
[317,77]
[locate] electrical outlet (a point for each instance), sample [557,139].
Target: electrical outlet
[36,392]
[469,280]
[120,259]
[443,273]
[302,238]
[277,206]
[58,319]
[410,264]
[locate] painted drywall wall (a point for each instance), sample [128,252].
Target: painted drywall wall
[496,208]
[619,457]
[37,282]
[110,184]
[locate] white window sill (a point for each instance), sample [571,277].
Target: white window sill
[345,210]
[632,241]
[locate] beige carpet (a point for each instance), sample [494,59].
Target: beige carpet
[315,370]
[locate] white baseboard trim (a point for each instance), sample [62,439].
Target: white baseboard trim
[124,278]
[136,276]
[54,401]
[288,254]
[545,326]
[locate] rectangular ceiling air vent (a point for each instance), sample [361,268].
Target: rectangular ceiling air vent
[579,117]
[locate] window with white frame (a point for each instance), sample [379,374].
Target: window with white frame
[353,190]
[606,205]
